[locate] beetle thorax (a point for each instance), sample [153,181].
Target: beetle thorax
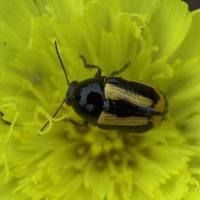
[87,98]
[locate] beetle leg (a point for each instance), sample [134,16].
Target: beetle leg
[121,70]
[85,123]
[88,66]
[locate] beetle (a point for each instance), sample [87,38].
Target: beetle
[114,103]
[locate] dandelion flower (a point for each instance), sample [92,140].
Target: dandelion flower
[159,38]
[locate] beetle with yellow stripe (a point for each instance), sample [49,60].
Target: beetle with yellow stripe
[115,103]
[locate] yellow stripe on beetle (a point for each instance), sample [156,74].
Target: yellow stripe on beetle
[115,93]
[161,105]
[113,120]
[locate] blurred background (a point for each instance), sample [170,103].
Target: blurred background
[193,4]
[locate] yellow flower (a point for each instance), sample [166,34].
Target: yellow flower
[161,40]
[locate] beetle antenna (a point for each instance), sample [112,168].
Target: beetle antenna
[62,63]
[67,83]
